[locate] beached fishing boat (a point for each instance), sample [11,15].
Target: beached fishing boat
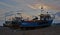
[44,20]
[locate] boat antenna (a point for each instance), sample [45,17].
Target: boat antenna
[42,9]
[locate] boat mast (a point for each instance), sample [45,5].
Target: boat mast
[42,9]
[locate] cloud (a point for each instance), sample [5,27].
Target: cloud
[6,4]
[10,2]
[54,4]
[3,7]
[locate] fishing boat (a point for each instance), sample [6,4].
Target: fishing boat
[19,22]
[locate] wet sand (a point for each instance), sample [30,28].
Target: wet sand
[52,30]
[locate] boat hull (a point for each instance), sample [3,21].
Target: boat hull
[28,24]
[35,24]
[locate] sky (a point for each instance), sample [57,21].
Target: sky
[11,6]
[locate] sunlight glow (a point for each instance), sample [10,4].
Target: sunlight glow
[38,6]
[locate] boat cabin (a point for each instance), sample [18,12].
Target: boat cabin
[45,17]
